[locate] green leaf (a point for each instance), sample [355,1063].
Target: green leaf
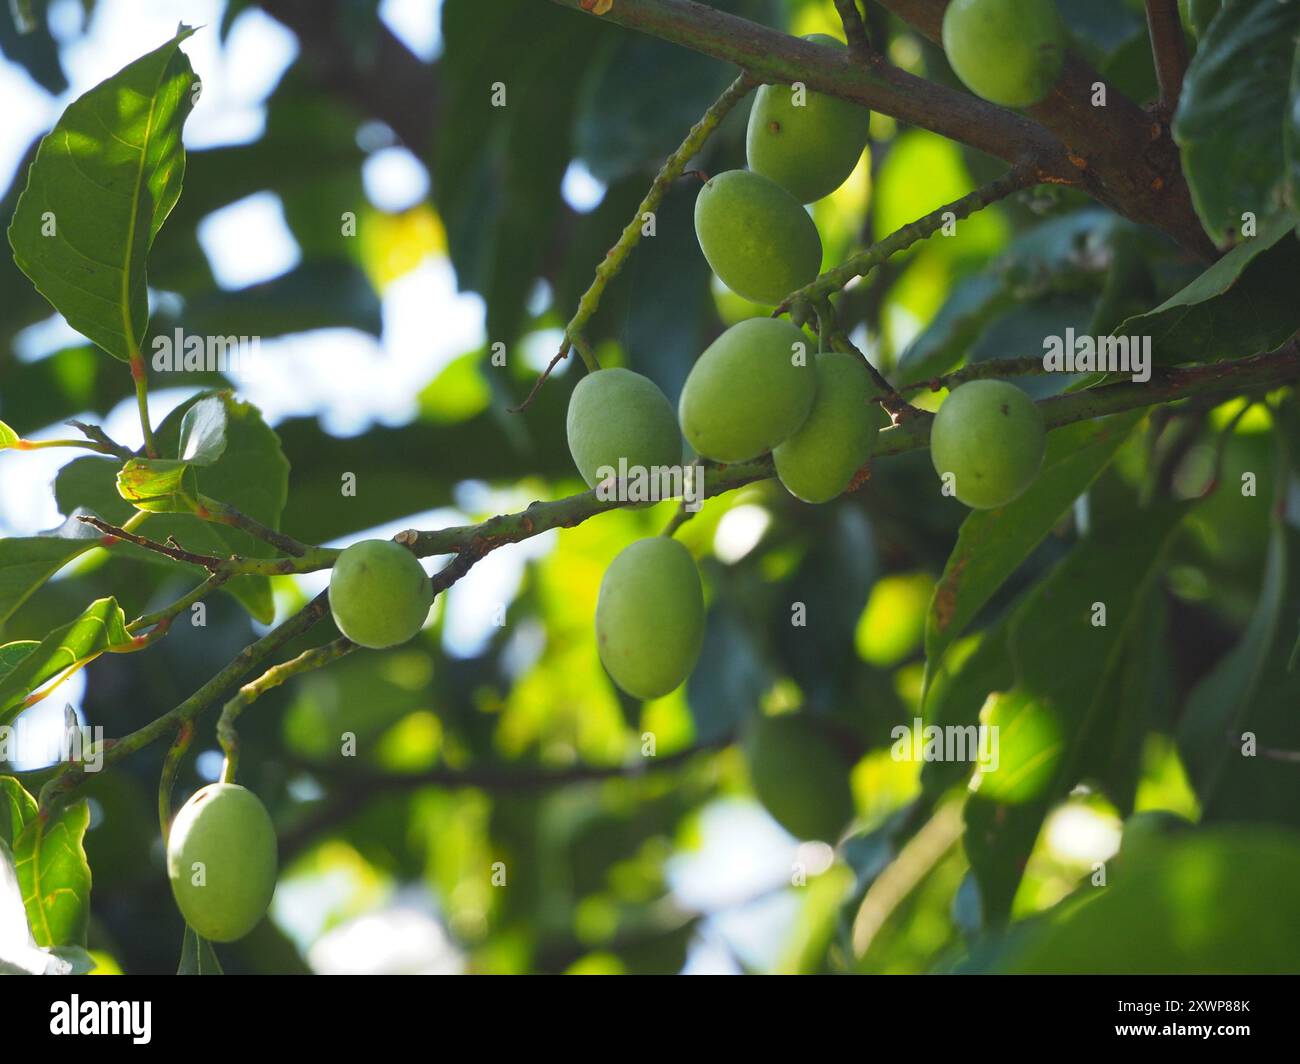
[105,179]
[1232,112]
[55,876]
[498,169]
[17,809]
[101,626]
[624,120]
[1059,257]
[159,485]
[26,562]
[203,432]
[1242,305]
[1137,698]
[7,436]
[197,956]
[1291,142]
[1205,902]
[251,475]
[993,543]
[1063,667]
[1251,692]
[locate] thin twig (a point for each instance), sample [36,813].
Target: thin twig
[861,264]
[855,31]
[168,613]
[273,677]
[359,783]
[315,558]
[893,403]
[225,514]
[631,235]
[976,371]
[170,549]
[109,445]
[171,767]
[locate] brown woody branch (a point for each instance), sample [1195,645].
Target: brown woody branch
[1121,156]
[1168,51]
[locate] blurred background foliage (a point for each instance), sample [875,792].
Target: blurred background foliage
[495,737]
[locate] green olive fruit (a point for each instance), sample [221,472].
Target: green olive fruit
[799,776]
[820,460]
[990,436]
[751,390]
[221,861]
[650,617]
[1007,51]
[379,593]
[617,414]
[756,236]
[808,146]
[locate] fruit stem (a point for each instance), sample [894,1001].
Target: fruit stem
[615,257]
[861,264]
[1168,51]
[170,768]
[855,31]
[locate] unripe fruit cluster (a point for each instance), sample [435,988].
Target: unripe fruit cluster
[755,389]
[751,225]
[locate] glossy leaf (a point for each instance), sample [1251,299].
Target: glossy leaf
[1227,901]
[500,194]
[26,562]
[1062,663]
[55,876]
[251,475]
[17,809]
[1232,112]
[103,183]
[1242,305]
[993,543]
[99,628]
[203,432]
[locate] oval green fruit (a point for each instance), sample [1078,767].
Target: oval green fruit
[989,436]
[751,389]
[617,415]
[650,617]
[756,236]
[379,593]
[799,776]
[221,861]
[820,460]
[1007,51]
[808,149]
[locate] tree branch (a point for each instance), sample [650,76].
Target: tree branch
[614,258]
[773,56]
[1119,155]
[312,560]
[356,784]
[855,31]
[1168,51]
[864,262]
[472,542]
